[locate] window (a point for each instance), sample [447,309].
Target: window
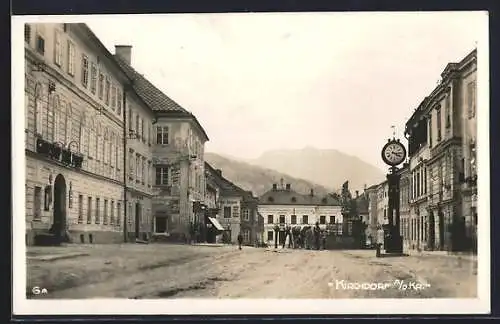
[107,90]
[438,119]
[130,120]
[227,212]
[71,58]
[80,209]
[270,235]
[294,219]
[119,102]
[118,214]
[270,219]
[162,135]
[270,199]
[282,219]
[40,44]
[160,224]
[130,214]
[236,211]
[161,175]
[37,212]
[89,210]
[137,125]
[430,130]
[471,99]
[385,214]
[101,86]
[246,214]
[112,213]
[85,71]
[246,236]
[38,108]
[138,172]
[294,199]
[305,219]
[332,219]
[56,115]
[144,171]
[27,33]
[148,182]
[447,111]
[68,123]
[58,50]
[113,97]
[142,131]
[105,213]
[131,163]
[322,219]
[93,78]
[97,209]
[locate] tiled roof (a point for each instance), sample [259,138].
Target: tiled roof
[290,197]
[158,101]
[154,97]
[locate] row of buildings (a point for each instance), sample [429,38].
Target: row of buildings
[110,157]
[438,186]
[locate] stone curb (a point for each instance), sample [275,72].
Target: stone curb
[57,257]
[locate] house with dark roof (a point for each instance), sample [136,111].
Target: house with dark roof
[283,206]
[235,208]
[177,142]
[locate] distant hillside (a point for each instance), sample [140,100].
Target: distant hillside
[329,168]
[258,179]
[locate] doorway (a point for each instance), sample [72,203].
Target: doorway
[59,217]
[432,231]
[137,219]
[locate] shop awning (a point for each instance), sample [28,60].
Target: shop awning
[216,223]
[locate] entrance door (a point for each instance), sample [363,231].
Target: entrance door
[59,217]
[432,231]
[441,230]
[137,219]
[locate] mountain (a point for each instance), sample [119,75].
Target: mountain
[258,179]
[329,168]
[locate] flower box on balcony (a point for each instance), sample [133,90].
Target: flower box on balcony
[55,151]
[42,146]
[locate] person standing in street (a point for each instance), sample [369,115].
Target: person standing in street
[287,234]
[316,232]
[240,240]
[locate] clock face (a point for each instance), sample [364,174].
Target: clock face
[394,153]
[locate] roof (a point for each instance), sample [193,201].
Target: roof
[291,197]
[226,186]
[158,101]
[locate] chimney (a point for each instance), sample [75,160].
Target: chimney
[288,187]
[124,52]
[357,193]
[312,192]
[275,186]
[219,172]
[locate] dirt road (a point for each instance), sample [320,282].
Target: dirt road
[170,271]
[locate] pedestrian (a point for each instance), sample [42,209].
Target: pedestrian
[316,235]
[287,234]
[240,240]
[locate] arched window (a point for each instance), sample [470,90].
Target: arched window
[38,108]
[68,123]
[105,146]
[92,137]
[98,135]
[83,140]
[56,118]
[112,152]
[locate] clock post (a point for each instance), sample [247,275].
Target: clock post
[393,154]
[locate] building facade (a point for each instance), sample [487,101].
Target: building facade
[237,209]
[74,136]
[437,138]
[109,157]
[372,194]
[283,206]
[404,204]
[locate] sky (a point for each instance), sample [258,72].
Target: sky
[265,81]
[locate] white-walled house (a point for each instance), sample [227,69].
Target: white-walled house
[283,206]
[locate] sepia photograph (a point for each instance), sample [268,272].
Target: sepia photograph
[217,163]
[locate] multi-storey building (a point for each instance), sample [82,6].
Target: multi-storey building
[436,149]
[177,146]
[283,206]
[237,209]
[109,157]
[74,135]
[404,204]
[382,204]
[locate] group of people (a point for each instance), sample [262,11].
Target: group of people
[306,237]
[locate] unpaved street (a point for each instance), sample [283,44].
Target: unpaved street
[177,271]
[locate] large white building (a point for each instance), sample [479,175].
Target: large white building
[283,206]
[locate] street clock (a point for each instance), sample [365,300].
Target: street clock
[393,152]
